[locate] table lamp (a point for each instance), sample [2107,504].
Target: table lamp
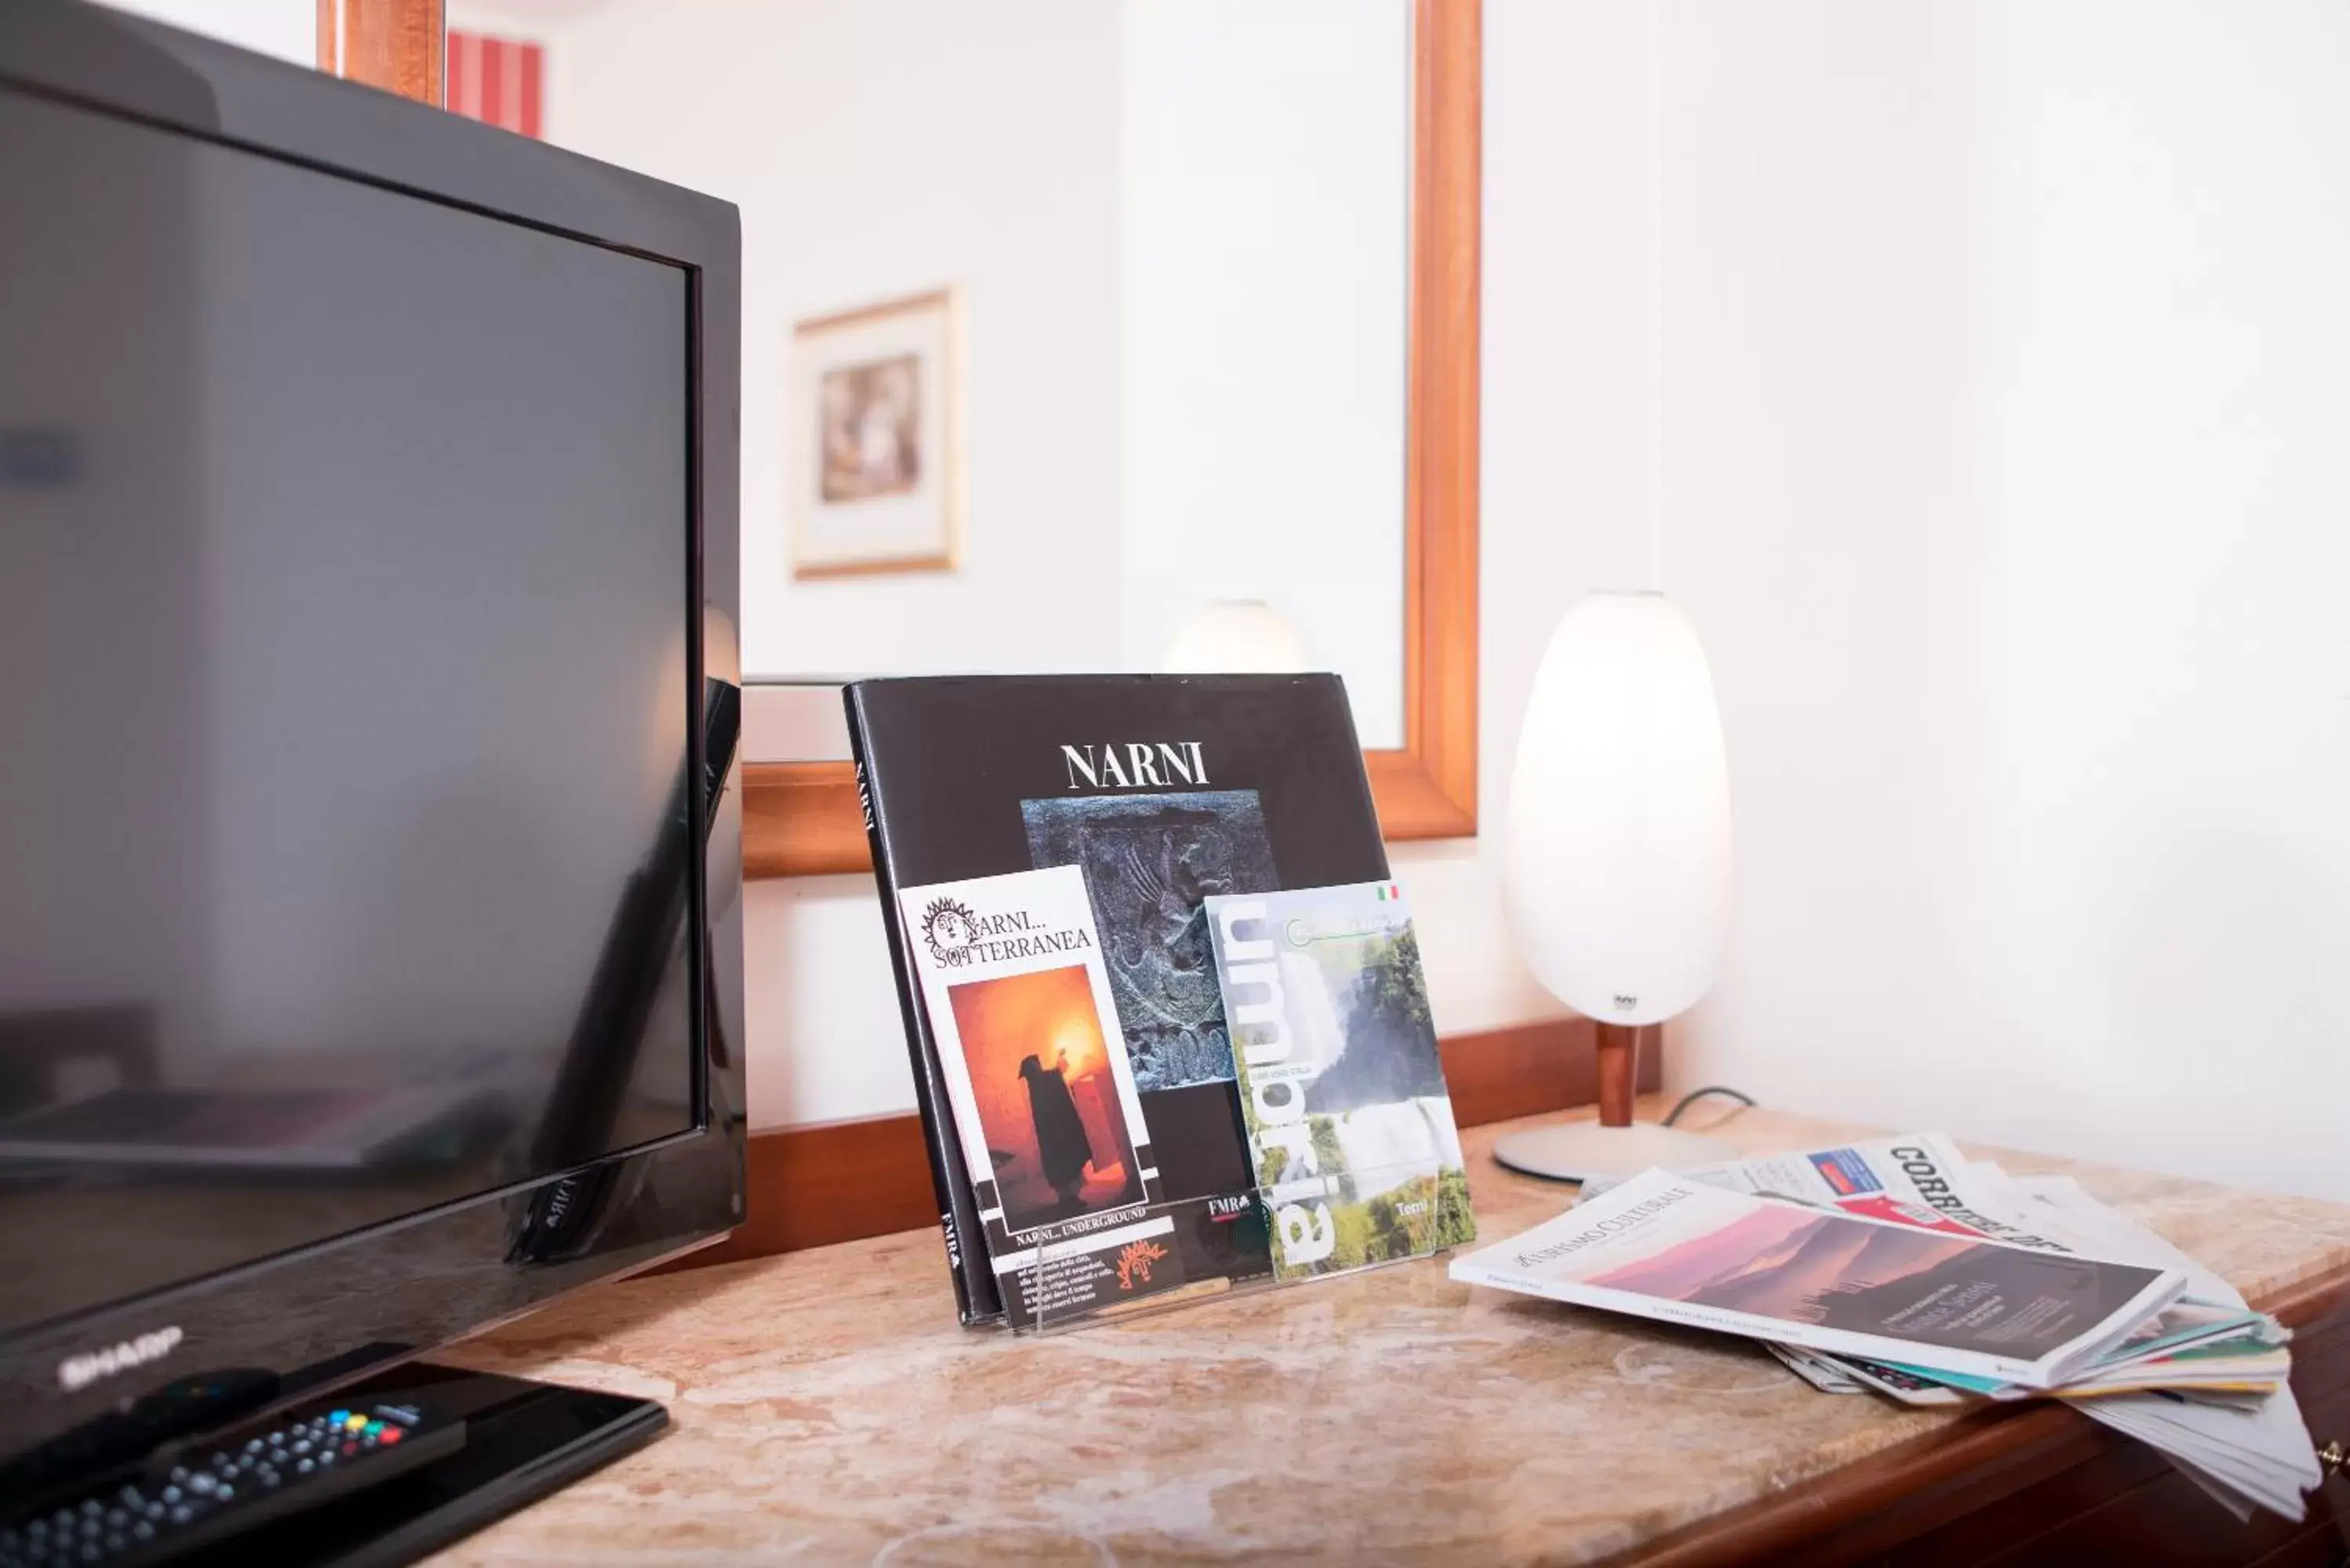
[1236,637]
[1616,870]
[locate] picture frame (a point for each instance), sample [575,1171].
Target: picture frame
[875,414]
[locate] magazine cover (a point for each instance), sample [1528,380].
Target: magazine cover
[1161,791]
[1053,1138]
[1663,1246]
[1921,1179]
[1350,1124]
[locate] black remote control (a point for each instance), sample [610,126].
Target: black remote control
[220,1486]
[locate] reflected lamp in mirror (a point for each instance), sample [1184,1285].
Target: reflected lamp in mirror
[1236,637]
[1615,872]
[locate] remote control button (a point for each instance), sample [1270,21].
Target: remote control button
[172,1494]
[143,1531]
[304,1467]
[182,1515]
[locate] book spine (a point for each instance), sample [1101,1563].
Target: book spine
[977,1300]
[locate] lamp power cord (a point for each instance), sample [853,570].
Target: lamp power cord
[1694,1095]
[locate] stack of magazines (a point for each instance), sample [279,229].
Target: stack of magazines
[1902,1268]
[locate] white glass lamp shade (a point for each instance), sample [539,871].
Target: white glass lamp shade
[1236,637]
[1616,870]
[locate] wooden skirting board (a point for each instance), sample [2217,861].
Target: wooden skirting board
[843,1181]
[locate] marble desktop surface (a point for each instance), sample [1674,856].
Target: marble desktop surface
[827,1408]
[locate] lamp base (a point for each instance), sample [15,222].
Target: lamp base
[1578,1151]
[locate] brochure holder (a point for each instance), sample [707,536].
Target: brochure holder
[1343,1116]
[1370,1219]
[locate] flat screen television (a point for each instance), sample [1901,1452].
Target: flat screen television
[370,903]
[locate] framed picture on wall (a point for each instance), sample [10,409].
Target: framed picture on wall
[876,412]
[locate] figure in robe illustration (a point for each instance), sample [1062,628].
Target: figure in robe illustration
[1062,1146]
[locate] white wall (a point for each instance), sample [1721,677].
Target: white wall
[286,28]
[990,161]
[2003,390]
[1264,187]
[1180,226]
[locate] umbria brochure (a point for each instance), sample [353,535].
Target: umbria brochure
[1350,1121]
[1667,1247]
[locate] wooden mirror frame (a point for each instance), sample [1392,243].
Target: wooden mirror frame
[803,818]
[400,46]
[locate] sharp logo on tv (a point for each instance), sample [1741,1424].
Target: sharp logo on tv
[76,1372]
[1136,764]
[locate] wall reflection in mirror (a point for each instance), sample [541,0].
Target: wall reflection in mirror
[1075,330]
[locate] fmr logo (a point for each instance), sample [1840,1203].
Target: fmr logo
[76,1372]
[948,928]
[1625,1003]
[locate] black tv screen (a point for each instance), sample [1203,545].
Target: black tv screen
[354,482]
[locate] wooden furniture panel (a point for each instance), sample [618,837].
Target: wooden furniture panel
[841,1181]
[400,46]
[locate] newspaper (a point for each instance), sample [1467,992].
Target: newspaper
[2245,1452]
[1684,1250]
[2255,1453]
[1827,1375]
[1921,1179]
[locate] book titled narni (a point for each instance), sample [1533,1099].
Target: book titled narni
[1154,793]
[1350,1121]
[1667,1247]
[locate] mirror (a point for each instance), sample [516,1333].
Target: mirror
[1075,330]
[1078,335]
